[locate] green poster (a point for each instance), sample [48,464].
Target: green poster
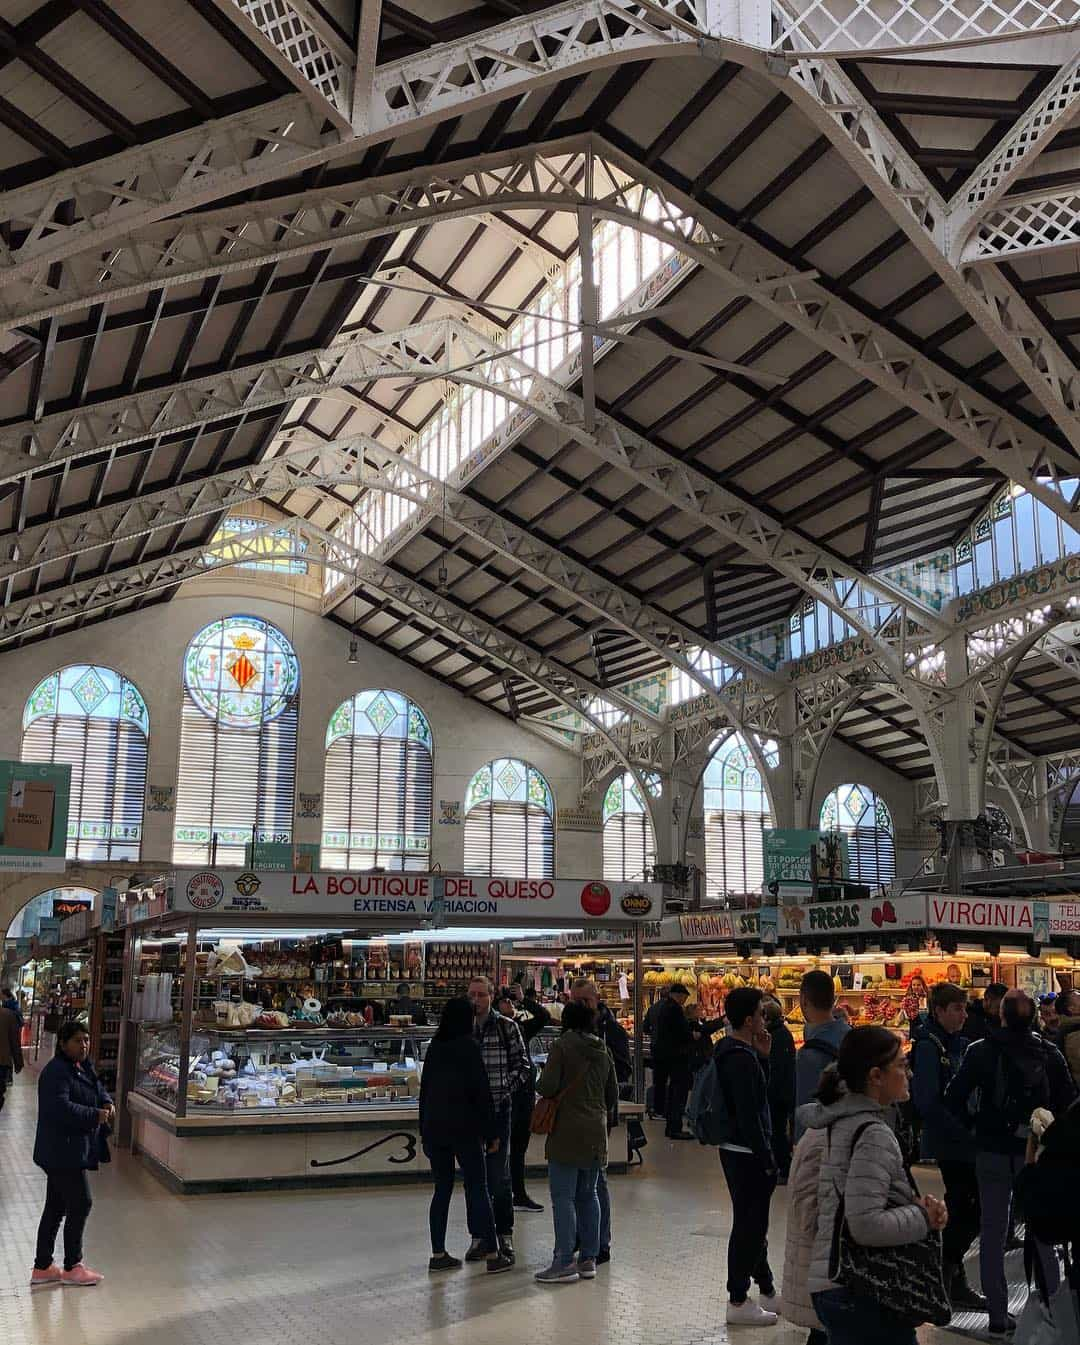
[787,855]
[33,816]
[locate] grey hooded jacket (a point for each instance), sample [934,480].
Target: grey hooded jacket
[879,1201]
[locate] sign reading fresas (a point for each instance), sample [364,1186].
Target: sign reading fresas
[982,914]
[412,896]
[34,816]
[857,917]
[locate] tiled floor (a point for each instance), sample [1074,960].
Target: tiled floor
[306,1268]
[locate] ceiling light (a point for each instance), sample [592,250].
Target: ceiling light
[354,652]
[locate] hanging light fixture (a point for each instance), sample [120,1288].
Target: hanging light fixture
[354,643]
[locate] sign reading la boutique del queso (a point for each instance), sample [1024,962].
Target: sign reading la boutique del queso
[413,896]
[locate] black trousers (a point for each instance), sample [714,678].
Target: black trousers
[660,1071]
[67,1201]
[678,1090]
[781,1136]
[521,1110]
[750,1188]
[962,1202]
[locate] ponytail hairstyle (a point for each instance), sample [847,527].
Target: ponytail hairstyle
[862,1050]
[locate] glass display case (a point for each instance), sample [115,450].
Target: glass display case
[293,1071]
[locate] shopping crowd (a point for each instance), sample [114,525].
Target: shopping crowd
[988,1093]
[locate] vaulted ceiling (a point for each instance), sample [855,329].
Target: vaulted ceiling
[110,308]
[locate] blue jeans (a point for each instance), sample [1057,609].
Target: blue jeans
[576,1211]
[603,1195]
[850,1319]
[470,1158]
[996,1175]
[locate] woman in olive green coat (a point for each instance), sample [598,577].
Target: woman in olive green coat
[580,1068]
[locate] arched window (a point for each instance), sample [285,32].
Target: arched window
[94,720]
[629,843]
[857,813]
[736,815]
[509,822]
[237,773]
[377,787]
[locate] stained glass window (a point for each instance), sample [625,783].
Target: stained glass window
[859,814]
[629,842]
[237,776]
[276,550]
[736,815]
[509,822]
[378,784]
[95,720]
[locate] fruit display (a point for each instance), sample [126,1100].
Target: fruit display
[881,1010]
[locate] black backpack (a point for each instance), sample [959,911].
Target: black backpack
[1020,1086]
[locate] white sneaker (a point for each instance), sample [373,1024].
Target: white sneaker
[770,1302]
[750,1314]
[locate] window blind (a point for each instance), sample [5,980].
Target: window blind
[108,780]
[509,840]
[231,781]
[377,804]
[734,853]
[628,847]
[871,855]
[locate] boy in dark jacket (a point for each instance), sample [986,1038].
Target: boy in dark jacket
[938,1047]
[741,1061]
[1014,1072]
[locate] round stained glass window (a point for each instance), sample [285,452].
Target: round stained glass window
[241,671]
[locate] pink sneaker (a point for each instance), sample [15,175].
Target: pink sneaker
[81,1276]
[40,1278]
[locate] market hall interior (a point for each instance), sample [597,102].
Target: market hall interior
[513,493]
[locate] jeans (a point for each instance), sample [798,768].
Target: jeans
[521,1110]
[678,1090]
[576,1211]
[781,1137]
[962,1202]
[603,1195]
[850,1319]
[498,1176]
[67,1201]
[751,1188]
[470,1159]
[996,1174]
[6,1075]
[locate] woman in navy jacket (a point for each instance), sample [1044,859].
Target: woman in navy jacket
[75,1114]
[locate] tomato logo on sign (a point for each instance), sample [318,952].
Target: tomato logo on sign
[595,899]
[205,891]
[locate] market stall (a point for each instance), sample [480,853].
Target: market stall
[251,1057]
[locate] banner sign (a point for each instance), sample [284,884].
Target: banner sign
[982,914]
[701,926]
[34,816]
[787,855]
[855,917]
[368,895]
[62,907]
[1064,917]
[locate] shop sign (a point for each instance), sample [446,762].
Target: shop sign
[974,913]
[707,925]
[1064,918]
[787,856]
[367,895]
[62,907]
[855,917]
[770,926]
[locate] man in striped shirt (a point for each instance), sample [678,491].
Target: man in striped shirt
[508,1067]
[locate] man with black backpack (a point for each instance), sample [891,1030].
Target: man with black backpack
[1013,1072]
[937,1050]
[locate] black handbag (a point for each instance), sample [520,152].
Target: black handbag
[907,1280]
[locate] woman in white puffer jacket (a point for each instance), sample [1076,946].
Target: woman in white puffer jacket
[880,1205]
[802,1221]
